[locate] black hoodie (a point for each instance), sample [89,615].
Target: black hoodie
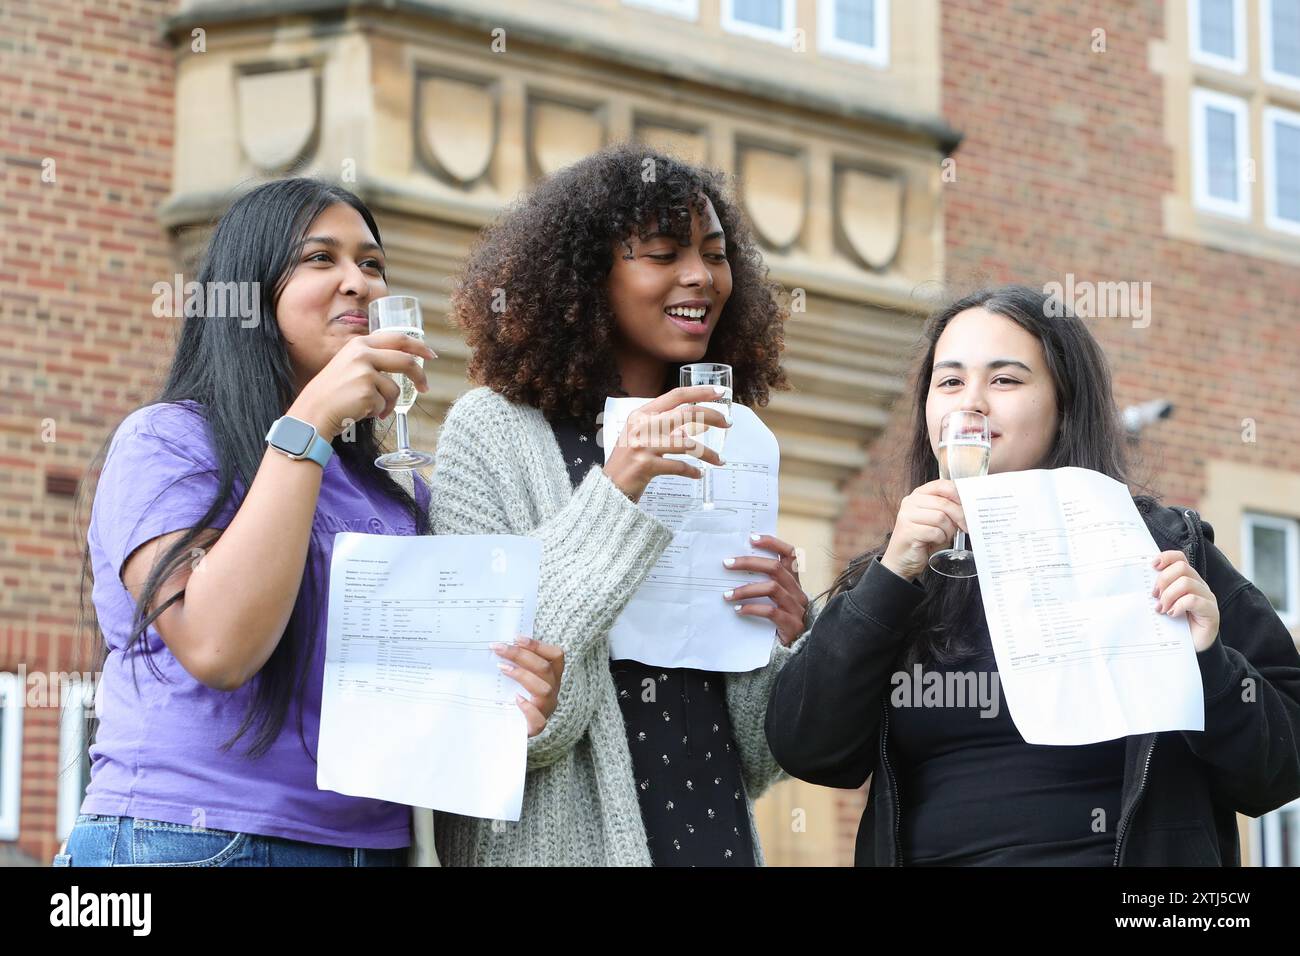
[828,720]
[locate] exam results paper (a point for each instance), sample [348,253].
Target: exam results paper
[414,708]
[678,617]
[1064,561]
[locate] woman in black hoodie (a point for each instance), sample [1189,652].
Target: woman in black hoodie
[958,785]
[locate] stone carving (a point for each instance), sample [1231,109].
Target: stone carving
[279,114]
[774,186]
[560,134]
[456,126]
[869,215]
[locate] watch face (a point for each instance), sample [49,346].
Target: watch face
[292,436]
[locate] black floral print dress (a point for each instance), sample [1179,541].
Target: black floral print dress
[685,761]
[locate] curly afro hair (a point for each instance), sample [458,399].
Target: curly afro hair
[532,298]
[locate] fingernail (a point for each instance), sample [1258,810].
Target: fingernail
[755,537]
[506,666]
[729,562]
[727,595]
[720,389]
[721,461]
[739,606]
[497,646]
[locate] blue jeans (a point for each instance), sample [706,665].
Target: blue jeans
[98,840]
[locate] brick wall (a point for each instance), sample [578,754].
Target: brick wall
[86,139]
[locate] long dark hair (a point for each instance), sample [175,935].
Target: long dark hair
[241,376]
[1089,435]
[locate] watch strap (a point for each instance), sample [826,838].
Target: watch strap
[318,449]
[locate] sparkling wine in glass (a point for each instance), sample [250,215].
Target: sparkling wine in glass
[964,446]
[401,313]
[710,373]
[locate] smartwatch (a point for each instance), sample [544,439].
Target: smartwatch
[298,439]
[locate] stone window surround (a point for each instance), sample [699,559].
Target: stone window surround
[1172,59]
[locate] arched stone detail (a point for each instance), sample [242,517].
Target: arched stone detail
[561,133]
[868,209]
[279,116]
[774,187]
[456,126]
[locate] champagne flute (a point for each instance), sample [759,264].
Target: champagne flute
[710,373]
[401,313]
[964,446]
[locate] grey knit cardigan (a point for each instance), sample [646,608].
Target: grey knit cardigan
[499,470]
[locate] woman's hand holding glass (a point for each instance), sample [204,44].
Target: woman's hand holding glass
[357,383]
[928,519]
[662,427]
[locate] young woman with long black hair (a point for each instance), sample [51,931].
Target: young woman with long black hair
[605,280]
[210,542]
[950,785]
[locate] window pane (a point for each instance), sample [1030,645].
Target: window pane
[1289,851]
[1286,37]
[1286,169]
[764,13]
[1269,546]
[1221,152]
[855,21]
[4,720]
[1214,32]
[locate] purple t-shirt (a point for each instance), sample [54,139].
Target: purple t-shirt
[157,753]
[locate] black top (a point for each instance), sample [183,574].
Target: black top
[685,762]
[1181,790]
[972,792]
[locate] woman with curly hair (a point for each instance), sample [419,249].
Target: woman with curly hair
[605,280]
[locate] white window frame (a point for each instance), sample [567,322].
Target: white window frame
[1270,74]
[1235,64]
[1272,115]
[828,42]
[11,790]
[1267,836]
[1202,98]
[72,741]
[1291,528]
[682,9]
[784,36]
